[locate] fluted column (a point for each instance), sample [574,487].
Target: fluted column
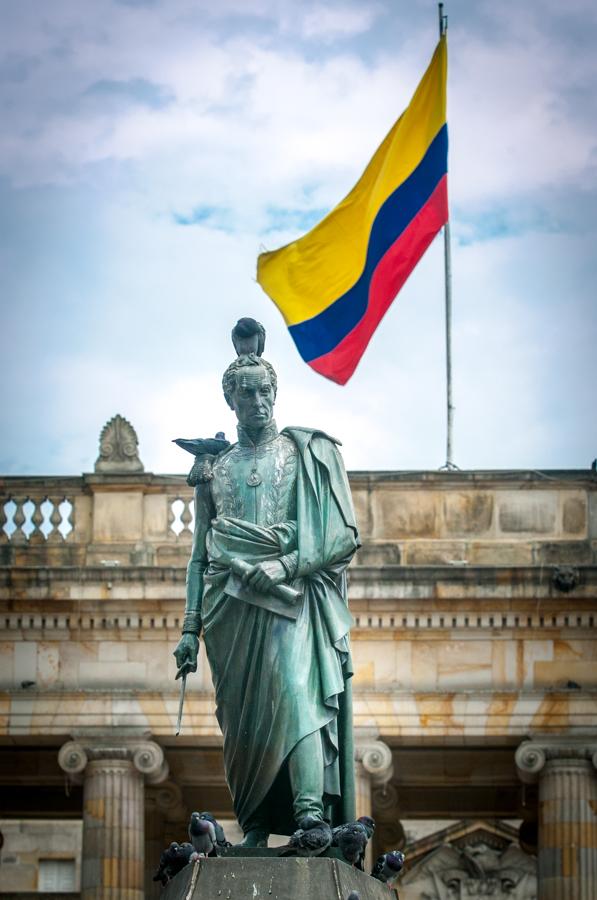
[567,838]
[113,774]
[373,769]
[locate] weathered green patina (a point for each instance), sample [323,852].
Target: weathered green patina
[279,501]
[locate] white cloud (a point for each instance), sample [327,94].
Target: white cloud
[330,23]
[262,120]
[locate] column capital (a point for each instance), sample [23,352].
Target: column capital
[375,758]
[532,756]
[146,756]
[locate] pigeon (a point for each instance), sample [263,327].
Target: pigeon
[173,859]
[352,839]
[203,446]
[369,825]
[310,839]
[202,835]
[220,836]
[354,895]
[388,867]
[248,336]
[205,451]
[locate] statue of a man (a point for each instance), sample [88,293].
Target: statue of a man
[278,502]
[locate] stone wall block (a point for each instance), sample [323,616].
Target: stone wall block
[467,513]
[82,518]
[117,516]
[155,517]
[532,512]
[362,507]
[435,553]
[405,514]
[574,515]
[563,553]
[592,515]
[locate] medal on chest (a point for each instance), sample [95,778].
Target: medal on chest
[254,478]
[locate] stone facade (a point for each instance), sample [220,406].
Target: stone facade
[475,603]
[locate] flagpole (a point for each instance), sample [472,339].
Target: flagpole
[449,464]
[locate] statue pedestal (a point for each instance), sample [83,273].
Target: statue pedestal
[273,878]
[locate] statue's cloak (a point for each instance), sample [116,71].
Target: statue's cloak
[277,679]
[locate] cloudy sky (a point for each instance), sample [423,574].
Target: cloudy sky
[150,148]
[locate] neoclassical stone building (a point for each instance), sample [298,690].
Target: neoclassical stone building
[475,605]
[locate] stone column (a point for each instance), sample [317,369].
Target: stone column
[564,767]
[113,772]
[373,770]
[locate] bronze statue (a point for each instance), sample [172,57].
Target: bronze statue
[266,586]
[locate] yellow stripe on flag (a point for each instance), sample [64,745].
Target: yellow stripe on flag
[305,277]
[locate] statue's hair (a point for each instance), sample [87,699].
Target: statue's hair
[246,328]
[230,375]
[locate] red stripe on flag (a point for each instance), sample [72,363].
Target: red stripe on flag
[389,276]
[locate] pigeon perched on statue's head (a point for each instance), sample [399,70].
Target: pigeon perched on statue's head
[202,835]
[248,336]
[388,867]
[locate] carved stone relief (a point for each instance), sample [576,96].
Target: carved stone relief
[480,863]
[119,447]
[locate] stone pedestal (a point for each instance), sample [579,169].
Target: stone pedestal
[567,839]
[253,877]
[113,774]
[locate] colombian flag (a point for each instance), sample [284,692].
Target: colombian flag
[334,284]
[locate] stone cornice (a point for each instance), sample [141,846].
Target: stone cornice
[360,477]
[466,575]
[552,478]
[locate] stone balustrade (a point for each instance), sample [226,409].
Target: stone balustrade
[455,519]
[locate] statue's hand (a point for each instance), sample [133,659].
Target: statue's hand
[265,575]
[186,654]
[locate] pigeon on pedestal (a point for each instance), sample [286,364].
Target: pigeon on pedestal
[173,859]
[202,835]
[388,867]
[352,838]
[220,836]
[311,839]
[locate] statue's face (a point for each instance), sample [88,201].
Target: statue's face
[253,398]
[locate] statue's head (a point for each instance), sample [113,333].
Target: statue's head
[250,386]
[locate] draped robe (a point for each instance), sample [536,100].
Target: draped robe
[277,679]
